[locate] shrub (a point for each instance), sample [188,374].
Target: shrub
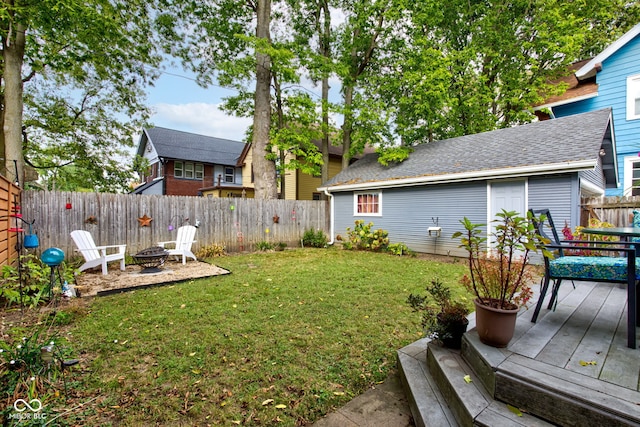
[314,239]
[579,235]
[264,246]
[400,249]
[35,279]
[364,238]
[210,251]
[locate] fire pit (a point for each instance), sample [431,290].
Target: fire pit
[150,259]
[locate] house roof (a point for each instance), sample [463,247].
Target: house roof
[140,189]
[565,144]
[174,144]
[582,84]
[595,64]
[576,89]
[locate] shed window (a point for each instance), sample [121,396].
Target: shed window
[368,204]
[633,97]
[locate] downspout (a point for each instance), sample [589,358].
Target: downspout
[164,175]
[331,216]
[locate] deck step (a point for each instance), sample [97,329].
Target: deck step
[564,397]
[431,401]
[466,395]
[559,396]
[428,406]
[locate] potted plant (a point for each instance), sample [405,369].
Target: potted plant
[499,272]
[442,318]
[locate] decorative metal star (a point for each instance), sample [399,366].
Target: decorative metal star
[145,221]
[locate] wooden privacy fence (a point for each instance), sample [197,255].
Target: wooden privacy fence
[9,205]
[615,210]
[237,224]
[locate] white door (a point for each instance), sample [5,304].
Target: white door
[508,195]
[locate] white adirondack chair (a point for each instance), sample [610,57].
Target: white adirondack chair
[183,243]
[96,255]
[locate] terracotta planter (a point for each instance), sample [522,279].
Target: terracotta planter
[495,326]
[454,331]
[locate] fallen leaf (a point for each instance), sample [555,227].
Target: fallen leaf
[192,354]
[266,402]
[183,305]
[281,406]
[515,410]
[584,363]
[339,393]
[467,379]
[236,422]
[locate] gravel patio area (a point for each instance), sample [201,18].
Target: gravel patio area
[94,283]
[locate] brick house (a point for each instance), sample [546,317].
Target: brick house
[188,164]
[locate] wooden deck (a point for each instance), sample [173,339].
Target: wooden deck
[585,334]
[572,367]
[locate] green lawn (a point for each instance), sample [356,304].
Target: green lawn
[285,338]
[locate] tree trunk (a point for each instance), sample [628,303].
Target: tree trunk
[13,56]
[325,51]
[347,126]
[264,169]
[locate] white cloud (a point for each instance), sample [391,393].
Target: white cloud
[200,118]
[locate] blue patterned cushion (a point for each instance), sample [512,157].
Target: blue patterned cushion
[591,268]
[636,223]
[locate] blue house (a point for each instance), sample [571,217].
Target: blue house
[546,164]
[610,80]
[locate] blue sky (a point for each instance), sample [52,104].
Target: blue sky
[179,103]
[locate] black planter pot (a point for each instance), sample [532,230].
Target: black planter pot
[454,332]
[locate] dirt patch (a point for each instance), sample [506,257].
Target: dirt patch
[92,283]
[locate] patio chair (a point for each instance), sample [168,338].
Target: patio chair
[182,244]
[96,255]
[620,267]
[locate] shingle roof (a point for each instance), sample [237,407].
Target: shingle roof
[173,144]
[591,67]
[568,143]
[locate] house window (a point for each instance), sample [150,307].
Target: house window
[368,204]
[178,169]
[229,174]
[316,196]
[633,97]
[634,185]
[188,170]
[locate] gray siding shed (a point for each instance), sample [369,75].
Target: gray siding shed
[444,181]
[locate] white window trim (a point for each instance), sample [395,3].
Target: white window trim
[628,173]
[188,170]
[355,203]
[633,82]
[181,169]
[227,175]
